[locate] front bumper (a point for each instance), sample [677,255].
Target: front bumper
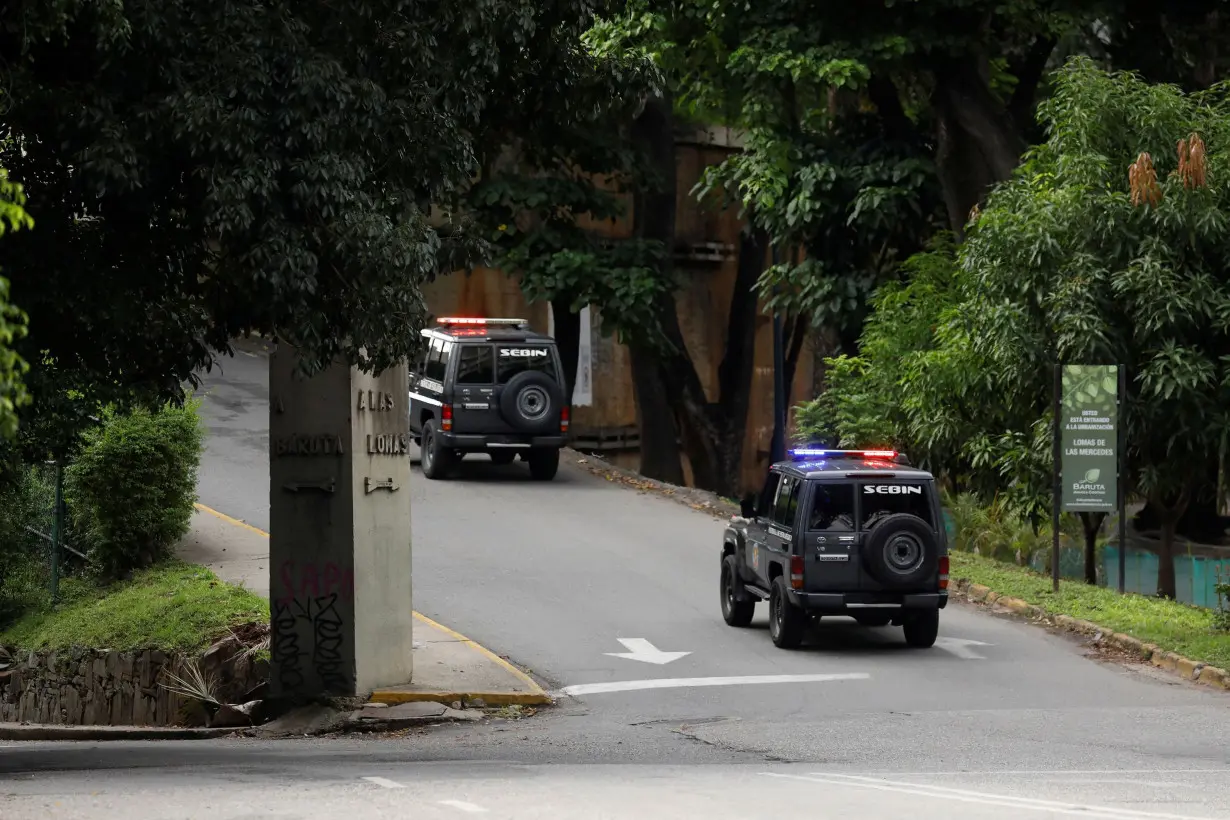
[846,603]
[478,443]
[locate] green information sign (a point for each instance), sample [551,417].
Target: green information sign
[1089,419]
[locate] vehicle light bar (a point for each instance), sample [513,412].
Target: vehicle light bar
[478,320]
[812,452]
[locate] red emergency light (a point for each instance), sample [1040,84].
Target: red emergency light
[478,320]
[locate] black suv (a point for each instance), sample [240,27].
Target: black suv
[839,532]
[488,386]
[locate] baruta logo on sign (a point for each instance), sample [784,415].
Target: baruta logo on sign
[522,352]
[1090,481]
[892,489]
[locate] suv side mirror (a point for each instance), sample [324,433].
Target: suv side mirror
[747,506]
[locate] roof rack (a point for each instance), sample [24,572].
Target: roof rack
[480,320]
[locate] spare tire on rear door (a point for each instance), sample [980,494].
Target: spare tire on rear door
[531,403]
[901,551]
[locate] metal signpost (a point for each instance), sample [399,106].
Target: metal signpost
[1088,450]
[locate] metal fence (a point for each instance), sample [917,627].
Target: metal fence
[1196,577]
[49,519]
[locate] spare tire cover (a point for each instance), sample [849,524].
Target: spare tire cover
[531,403]
[901,551]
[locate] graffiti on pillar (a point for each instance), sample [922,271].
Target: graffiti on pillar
[284,648]
[309,626]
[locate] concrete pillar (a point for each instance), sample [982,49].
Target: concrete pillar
[339,511]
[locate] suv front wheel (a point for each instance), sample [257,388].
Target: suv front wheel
[734,612]
[437,460]
[786,621]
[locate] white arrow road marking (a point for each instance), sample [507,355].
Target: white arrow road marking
[640,649]
[984,798]
[961,648]
[681,683]
[461,805]
[385,782]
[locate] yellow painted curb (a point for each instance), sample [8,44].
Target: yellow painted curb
[230,520]
[536,696]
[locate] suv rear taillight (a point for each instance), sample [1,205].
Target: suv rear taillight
[796,572]
[446,417]
[563,420]
[943,572]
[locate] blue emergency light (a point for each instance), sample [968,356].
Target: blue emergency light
[813,452]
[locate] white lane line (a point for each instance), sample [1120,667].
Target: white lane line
[385,782]
[461,805]
[982,798]
[1015,772]
[683,683]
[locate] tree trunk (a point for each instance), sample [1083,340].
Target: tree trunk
[568,340]
[793,339]
[1166,587]
[977,142]
[1091,522]
[1168,517]
[653,217]
[655,419]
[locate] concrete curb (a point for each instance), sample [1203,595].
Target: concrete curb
[1186,668]
[43,731]
[393,697]
[700,500]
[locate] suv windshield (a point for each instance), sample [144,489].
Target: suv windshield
[514,359]
[882,500]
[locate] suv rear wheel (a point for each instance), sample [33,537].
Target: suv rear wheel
[437,461]
[786,621]
[734,612]
[544,464]
[922,628]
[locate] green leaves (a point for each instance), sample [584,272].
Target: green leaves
[1060,266]
[296,169]
[13,322]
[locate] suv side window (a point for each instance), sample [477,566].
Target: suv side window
[878,503]
[476,364]
[512,360]
[764,505]
[832,508]
[437,360]
[787,502]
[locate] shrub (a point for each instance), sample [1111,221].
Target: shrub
[24,502]
[130,491]
[997,530]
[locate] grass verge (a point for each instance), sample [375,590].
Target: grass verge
[173,607]
[1175,627]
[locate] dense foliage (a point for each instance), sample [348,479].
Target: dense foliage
[12,320]
[1068,262]
[277,172]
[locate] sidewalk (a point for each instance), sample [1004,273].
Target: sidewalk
[448,666]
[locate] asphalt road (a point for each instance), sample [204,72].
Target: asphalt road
[999,718]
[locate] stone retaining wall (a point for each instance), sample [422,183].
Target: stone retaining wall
[100,687]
